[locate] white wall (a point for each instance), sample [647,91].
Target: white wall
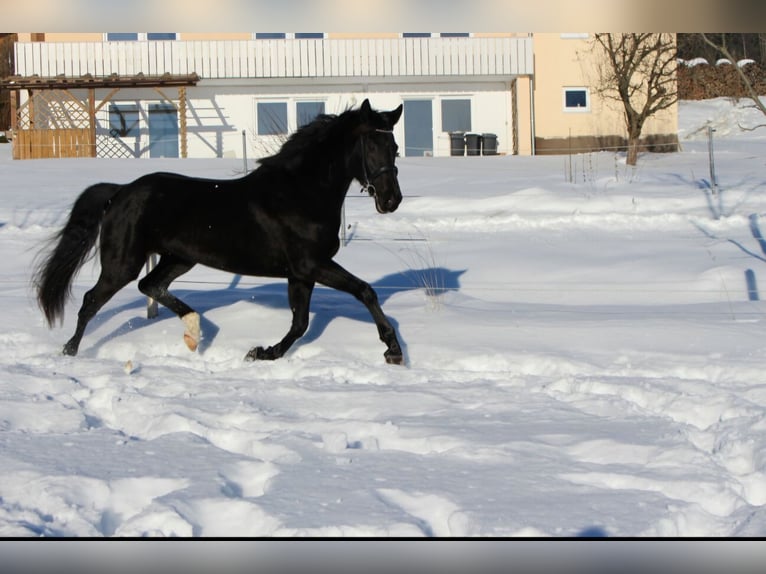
[217,113]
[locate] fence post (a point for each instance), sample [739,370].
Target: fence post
[343,240]
[713,182]
[152,309]
[244,151]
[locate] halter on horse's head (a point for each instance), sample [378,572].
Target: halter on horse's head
[378,151]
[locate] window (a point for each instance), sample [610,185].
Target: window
[135,36]
[307,111]
[161,36]
[454,34]
[269,35]
[576,100]
[122,36]
[163,130]
[456,115]
[123,120]
[309,35]
[416,35]
[272,118]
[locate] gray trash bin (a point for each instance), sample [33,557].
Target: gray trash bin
[489,144]
[457,143]
[473,144]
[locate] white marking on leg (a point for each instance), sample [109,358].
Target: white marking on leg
[193,332]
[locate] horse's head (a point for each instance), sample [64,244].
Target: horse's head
[377,149]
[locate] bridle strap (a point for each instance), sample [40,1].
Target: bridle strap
[368,179]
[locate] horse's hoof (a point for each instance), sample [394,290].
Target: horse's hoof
[69,350]
[193,333]
[190,343]
[258,354]
[393,359]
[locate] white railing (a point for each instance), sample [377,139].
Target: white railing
[286,58]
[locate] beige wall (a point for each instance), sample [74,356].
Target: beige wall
[73,37]
[562,62]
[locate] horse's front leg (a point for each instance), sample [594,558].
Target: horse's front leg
[333,275]
[299,297]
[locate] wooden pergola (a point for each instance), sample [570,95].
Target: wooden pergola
[53,122]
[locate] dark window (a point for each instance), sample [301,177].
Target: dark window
[272,118]
[269,35]
[161,36]
[576,99]
[416,35]
[454,34]
[456,115]
[309,35]
[123,120]
[307,111]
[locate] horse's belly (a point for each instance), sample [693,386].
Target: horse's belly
[231,253]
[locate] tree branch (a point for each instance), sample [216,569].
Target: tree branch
[748,85]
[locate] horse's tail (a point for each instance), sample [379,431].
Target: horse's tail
[53,275]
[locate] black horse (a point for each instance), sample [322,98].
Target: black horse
[280,220]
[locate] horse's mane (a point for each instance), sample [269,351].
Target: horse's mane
[313,141]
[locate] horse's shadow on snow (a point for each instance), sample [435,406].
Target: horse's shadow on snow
[326,305]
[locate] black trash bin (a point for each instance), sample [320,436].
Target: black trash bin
[473,144]
[457,143]
[489,144]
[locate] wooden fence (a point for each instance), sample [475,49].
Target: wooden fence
[55,143]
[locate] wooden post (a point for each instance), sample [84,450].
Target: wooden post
[92,121]
[32,151]
[15,123]
[31,107]
[182,120]
[515,117]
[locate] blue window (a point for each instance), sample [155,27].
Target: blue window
[161,36]
[269,35]
[272,118]
[122,36]
[163,130]
[308,111]
[416,35]
[123,120]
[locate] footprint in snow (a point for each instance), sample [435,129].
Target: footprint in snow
[433,514]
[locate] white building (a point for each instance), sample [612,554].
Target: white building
[225,95]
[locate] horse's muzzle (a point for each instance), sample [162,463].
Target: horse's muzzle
[390,203]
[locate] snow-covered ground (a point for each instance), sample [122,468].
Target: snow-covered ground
[585,357]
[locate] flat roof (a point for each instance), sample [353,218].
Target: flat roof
[36,82]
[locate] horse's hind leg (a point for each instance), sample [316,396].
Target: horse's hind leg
[155,285]
[299,296]
[107,285]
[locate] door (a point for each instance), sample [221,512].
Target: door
[418,128]
[163,130]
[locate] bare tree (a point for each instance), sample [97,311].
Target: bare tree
[640,72]
[724,51]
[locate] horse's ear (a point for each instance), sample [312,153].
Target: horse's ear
[394,115]
[366,110]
